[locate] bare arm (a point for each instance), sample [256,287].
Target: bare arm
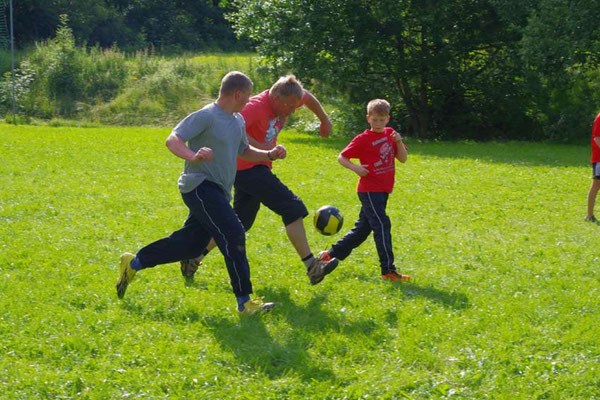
[597,140]
[254,154]
[358,169]
[402,154]
[315,106]
[177,146]
[259,145]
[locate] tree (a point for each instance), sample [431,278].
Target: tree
[561,50]
[182,24]
[92,21]
[430,54]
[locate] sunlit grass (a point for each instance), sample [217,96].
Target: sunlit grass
[503,302]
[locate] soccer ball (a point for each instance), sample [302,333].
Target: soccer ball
[328,220]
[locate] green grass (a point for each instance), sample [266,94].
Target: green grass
[503,302]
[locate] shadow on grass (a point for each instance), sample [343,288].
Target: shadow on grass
[250,341]
[457,301]
[518,153]
[336,142]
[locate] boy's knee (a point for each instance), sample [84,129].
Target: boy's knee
[295,211]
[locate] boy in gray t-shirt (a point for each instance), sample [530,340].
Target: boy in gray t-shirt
[214,128]
[215,137]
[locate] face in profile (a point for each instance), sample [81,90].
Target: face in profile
[241,99]
[285,106]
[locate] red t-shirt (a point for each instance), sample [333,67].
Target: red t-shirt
[262,125]
[595,132]
[377,153]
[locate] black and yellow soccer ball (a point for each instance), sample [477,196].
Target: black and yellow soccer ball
[328,220]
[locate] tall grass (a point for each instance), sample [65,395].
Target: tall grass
[503,302]
[161,91]
[59,80]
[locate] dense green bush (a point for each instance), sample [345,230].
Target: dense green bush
[58,77]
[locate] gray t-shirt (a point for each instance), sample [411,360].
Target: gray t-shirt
[225,134]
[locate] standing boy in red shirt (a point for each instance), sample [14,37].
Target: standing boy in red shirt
[596,166]
[376,149]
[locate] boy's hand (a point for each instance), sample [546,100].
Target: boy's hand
[277,153]
[325,127]
[396,137]
[202,155]
[361,170]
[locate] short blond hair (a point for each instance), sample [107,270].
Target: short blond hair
[287,86]
[379,107]
[234,81]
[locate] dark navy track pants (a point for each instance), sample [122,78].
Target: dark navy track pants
[210,215]
[372,218]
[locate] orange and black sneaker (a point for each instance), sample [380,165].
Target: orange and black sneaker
[395,277]
[320,267]
[325,256]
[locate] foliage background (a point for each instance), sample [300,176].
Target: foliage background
[485,70]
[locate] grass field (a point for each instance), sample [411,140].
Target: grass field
[504,301]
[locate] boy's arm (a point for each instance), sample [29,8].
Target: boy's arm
[259,145]
[358,169]
[253,154]
[597,140]
[402,153]
[177,146]
[315,106]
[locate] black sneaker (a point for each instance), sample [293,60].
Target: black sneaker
[189,268]
[318,269]
[591,219]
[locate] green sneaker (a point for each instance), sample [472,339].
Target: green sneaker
[126,274]
[256,306]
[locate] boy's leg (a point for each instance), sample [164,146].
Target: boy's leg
[246,208]
[259,185]
[211,208]
[189,266]
[181,244]
[245,203]
[263,185]
[354,238]
[374,204]
[297,236]
[591,199]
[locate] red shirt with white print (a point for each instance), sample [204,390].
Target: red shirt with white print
[262,125]
[377,152]
[595,133]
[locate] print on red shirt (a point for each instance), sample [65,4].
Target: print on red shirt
[377,152]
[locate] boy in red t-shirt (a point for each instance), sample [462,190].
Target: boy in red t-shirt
[376,149]
[596,168]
